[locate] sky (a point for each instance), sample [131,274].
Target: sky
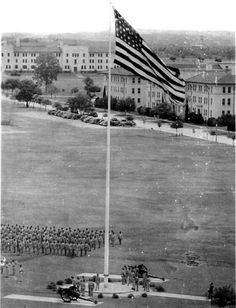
[60,16]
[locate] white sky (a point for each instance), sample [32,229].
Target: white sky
[56,16]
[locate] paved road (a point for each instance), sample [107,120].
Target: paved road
[150,124]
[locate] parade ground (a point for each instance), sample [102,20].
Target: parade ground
[171,196]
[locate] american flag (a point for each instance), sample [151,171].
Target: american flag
[133,54]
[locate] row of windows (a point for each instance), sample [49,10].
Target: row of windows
[224,101]
[73,55]
[157,94]
[224,89]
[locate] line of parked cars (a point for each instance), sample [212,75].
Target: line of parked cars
[92,118]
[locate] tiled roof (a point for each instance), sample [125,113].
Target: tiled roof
[38,49]
[227,79]
[211,77]
[121,71]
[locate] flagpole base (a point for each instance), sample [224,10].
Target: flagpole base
[106,281]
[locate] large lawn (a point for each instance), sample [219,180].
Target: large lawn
[53,173]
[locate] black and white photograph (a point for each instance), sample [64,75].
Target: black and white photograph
[117,154]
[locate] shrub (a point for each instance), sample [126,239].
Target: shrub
[160,289]
[223,296]
[211,122]
[130,296]
[114,295]
[100,295]
[144,295]
[68,280]
[59,282]
[51,286]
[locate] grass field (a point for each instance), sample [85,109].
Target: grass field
[53,173]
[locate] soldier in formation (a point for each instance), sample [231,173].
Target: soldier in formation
[18,239]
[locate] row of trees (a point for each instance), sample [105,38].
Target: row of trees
[126,105]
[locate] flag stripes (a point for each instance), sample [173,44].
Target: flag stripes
[133,54]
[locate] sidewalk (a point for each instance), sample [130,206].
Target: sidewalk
[124,290]
[197,132]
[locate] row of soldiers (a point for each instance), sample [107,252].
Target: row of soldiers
[12,268]
[51,240]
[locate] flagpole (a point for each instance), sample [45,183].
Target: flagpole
[107,201]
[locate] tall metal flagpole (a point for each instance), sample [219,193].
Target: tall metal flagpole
[107,201]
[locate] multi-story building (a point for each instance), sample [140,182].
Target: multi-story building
[211,94]
[125,84]
[21,56]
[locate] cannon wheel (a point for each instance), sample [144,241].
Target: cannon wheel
[64,295]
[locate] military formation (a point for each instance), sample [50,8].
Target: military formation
[60,241]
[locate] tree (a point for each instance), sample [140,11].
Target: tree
[27,91]
[90,87]
[80,101]
[11,84]
[74,90]
[47,68]
[164,110]
[186,112]
[51,89]
[176,125]
[223,296]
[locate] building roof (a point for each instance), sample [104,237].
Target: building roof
[213,77]
[37,49]
[121,71]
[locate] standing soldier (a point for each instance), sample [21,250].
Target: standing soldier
[21,272]
[90,288]
[136,282]
[97,281]
[145,282]
[6,269]
[13,264]
[112,237]
[120,237]
[99,240]
[82,286]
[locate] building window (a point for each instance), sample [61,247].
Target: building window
[211,113]
[75,61]
[83,54]
[200,88]
[139,80]
[16,66]
[67,55]
[223,112]
[83,60]
[228,112]
[8,55]
[229,101]
[153,94]
[8,60]
[229,89]
[67,61]
[194,87]
[139,90]
[223,89]
[2,54]
[24,66]
[133,91]
[133,80]
[139,100]
[211,101]
[223,101]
